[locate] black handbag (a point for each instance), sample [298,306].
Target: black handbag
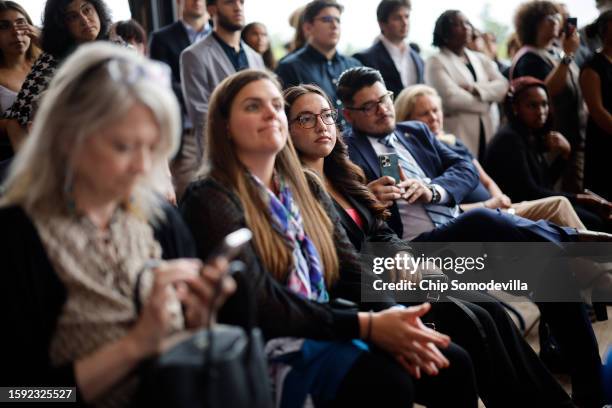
[223,366]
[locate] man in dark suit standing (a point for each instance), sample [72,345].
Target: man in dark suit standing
[399,65]
[166,45]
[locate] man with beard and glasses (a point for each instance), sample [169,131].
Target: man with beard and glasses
[206,63]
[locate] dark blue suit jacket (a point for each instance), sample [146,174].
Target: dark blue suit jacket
[378,57]
[166,45]
[445,167]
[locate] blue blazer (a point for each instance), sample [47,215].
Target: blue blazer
[378,57]
[445,168]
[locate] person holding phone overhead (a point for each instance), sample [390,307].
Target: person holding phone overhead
[538,25]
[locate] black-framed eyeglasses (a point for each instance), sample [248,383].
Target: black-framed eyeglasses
[309,120]
[371,107]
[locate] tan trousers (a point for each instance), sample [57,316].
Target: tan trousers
[556,209]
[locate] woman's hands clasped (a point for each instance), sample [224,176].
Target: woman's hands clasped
[415,346]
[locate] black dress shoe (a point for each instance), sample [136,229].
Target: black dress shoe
[593,236]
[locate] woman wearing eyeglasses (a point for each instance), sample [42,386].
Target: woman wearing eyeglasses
[18,51]
[497,349]
[82,219]
[468,82]
[67,24]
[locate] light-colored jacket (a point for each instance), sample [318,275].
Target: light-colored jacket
[448,74]
[204,65]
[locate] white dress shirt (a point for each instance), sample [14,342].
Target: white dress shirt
[402,60]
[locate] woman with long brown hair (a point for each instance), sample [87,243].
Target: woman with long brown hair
[253,178]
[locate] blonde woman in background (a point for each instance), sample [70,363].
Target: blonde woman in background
[423,103]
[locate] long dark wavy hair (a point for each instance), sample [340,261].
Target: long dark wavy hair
[344,175]
[56,38]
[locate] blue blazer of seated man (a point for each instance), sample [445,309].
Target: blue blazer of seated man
[445,168]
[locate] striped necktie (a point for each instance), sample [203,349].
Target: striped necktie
[439,214]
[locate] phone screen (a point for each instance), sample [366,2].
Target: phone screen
[232,244]
[389,166]
[570,24]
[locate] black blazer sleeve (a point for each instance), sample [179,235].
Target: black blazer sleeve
[173,235]
[163,49]
[211,212]
[381,232]
[356,279]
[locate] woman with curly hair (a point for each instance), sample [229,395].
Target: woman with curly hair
[538,24]
[66,25]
